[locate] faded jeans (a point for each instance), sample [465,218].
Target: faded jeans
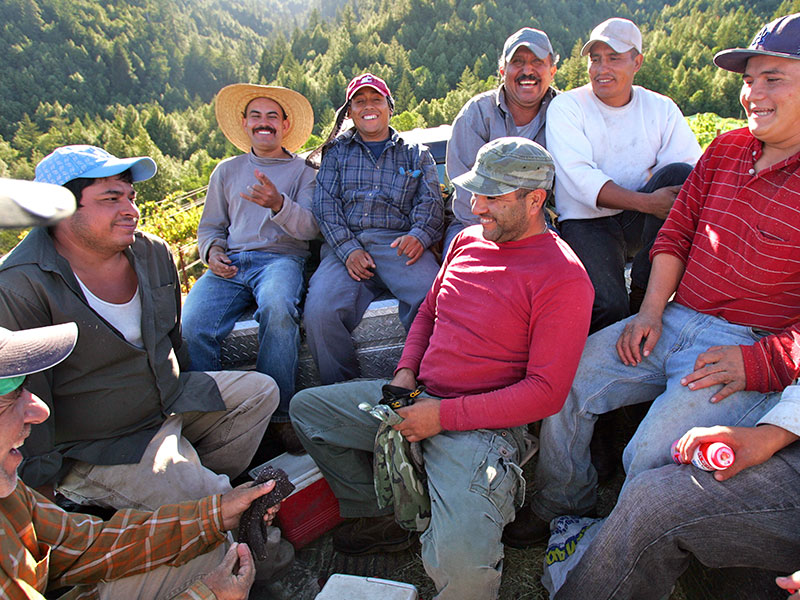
[474,481]
[336,302]
[274,282]
[666,515]
[565,478]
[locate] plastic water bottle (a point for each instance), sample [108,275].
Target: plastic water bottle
[709,456]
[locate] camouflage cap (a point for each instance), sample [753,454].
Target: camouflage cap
[507,164]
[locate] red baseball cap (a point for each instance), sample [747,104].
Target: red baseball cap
[367,80]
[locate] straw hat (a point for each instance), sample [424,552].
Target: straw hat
[232,100]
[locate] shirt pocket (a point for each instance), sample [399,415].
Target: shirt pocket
[404,189]
[166,316]
[769,265]
[499,479]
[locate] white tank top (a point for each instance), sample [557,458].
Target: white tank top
[127,317]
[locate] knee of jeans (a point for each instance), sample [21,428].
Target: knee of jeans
[467,559]
[277,312]
[642,455]
[298,407]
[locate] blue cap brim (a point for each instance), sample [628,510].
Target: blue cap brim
[142,168]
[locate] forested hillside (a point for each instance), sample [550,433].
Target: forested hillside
[138,76]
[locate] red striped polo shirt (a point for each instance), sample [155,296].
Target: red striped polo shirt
[738,232]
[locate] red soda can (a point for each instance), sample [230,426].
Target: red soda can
[709,456]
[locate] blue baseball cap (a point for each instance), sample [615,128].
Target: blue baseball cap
[778,38]
[71,162]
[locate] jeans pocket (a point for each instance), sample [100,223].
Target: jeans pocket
[499,479]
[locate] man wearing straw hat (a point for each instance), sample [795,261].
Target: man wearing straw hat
[253,237]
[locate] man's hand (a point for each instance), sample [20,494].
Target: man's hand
[751,445]
[420,420]
[661,200]
[264,193]
[239,499]
[360,264]
[229,581]
[220,264]
[410,246]
[645,326]
[718,365]
[404,378]
[790,583]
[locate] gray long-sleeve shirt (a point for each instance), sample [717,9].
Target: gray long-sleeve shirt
[484,118]
[238,225]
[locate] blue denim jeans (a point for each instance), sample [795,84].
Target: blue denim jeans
[474,480]
[336,302]
[565,477]
[666,515]
[274,282]
[605,244]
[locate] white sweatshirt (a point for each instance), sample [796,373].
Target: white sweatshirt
[593,143]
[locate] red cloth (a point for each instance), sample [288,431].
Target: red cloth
[501,331]
[738,232]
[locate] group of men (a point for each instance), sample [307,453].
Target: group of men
[142,419]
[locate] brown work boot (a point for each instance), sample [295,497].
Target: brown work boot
[371,534]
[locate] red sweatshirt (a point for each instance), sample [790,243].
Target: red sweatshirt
[738,232]
[501,331]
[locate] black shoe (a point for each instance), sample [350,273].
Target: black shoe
[371,534]
[606,458]
[526,529]
[286,437]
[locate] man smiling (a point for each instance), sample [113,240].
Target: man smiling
[129,428]
[517,108]
[722,350]
[379,207]
[482,343]
[253,237]
[175,553]
[621,153]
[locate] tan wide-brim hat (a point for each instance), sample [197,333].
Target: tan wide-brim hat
[232,100]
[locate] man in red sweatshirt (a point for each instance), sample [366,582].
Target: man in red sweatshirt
[496,343]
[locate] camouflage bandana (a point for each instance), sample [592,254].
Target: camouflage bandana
[400,479]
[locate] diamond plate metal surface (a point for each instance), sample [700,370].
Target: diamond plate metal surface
[379,339]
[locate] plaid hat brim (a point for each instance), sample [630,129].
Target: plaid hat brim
[33,350]
[32,204]
[483,186]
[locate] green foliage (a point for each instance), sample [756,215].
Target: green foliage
[707,126]
[174,219]
[138,76]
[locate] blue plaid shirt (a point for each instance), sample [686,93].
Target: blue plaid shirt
[399,191]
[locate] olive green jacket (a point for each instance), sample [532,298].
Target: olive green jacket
[108,398]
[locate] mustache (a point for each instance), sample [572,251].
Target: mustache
[266,128]
[532,78]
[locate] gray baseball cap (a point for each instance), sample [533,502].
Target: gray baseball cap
[621,34]
[507,164]
[534,40]
[29,204]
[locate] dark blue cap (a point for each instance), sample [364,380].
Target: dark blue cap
[780,38]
